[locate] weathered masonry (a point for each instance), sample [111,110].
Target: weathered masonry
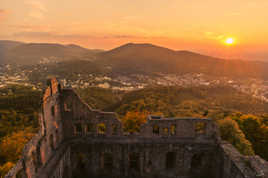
[76,141]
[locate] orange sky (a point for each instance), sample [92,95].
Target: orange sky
[199,26]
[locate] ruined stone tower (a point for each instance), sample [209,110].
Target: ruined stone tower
[75,141]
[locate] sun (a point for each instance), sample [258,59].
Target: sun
[229,41]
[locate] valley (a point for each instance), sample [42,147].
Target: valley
[81,76]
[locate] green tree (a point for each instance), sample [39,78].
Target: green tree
[231,132]
[256,131]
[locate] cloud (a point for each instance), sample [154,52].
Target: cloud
[3,13]
[214,36]
[57,36]
[30,28]
[252,4]
[37,5]
[37,9]
[233,14]
[91,40]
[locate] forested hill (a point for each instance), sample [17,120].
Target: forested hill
[131,58]
[19,107]
[35,53]
[148,58]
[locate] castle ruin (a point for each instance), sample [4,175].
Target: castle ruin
[75,141]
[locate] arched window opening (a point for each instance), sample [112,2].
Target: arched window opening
[67,106]
[90,128]
[166,131]
[78,129]
[35,160]
[57,136]
[170,160]
[51,142]
[108,161]
[101,129]
[200,128]
[173,129]
[21,174]
[81,162]
[66,171]
[134,162]
[59,88]
[114,129]
[156,130]
[196,162]
[52,110]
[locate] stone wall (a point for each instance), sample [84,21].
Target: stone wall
[77,141]
[43,146]
[233,164]
[141,159]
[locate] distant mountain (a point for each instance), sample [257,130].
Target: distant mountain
[34,53]
[144,58]
[130,58]
[148,58]
[5,45]
[65,69]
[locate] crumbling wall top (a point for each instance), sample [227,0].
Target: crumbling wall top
[249,166]
[53,88]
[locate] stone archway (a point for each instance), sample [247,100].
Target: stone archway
[201,165]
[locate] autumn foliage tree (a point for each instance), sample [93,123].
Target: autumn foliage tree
[256,131]
[231,132]
[11,147]
[5,168]
[133,120]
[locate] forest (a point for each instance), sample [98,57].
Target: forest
[242,119]
[19,106]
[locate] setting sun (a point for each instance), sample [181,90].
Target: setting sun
[229,41]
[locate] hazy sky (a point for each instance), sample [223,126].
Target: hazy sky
[198,25]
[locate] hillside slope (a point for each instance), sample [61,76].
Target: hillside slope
[6,45]
[34,53]
[148,58]
[133,58]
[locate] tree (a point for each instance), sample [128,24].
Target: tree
[256,131]
[11,145]
[133,120]
[5,168]
[231,132]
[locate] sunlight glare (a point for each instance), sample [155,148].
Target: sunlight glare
[229,41]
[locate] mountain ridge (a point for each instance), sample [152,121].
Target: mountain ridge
[135,58]
[33,53]
[148,58]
